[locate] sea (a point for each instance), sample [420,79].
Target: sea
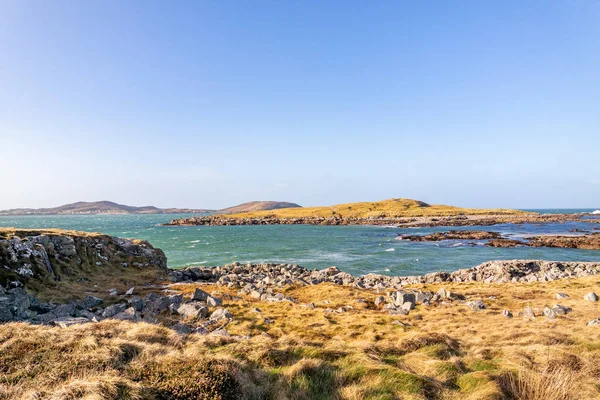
[354,249]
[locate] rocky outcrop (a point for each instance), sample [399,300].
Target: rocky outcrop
[588,242]
[451,235]
[34,258]
[260,276]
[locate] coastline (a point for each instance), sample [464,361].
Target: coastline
[417,221]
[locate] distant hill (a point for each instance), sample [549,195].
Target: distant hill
[258,206]
[100,207]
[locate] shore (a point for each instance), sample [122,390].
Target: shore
[421,221]
[103,317]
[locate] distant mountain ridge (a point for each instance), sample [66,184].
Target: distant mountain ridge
[109,207]
[100,207]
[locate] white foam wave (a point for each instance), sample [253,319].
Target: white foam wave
[597,212]
[392,249]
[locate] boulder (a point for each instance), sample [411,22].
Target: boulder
[591,296]
[200,295]
[594,322]
[476,305]
[379,300]
[507,314]
[113,310]
[407,306]
[561,295]
[193,309]
[221,313]
[213,301]
[128,315]
[549,313]
[528,312]
[402,297]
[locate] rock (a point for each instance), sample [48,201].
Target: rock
[379,300]
[402,297]
[560,295]
[128,315]
[113,310]
[66,322]
[200,295]
[112,292]
[220,332]
[400,311]
[256,310]
[528,312]
[549,313]
[507,314]
[137,303]
[65,310]
[560,310]
[221,313]
[594,322]
[5,314]
[182,329]
[193,309]
[89,302]
[591,296]
[129,292]
[255,294]
[407,306]
[214,301]
[476,305]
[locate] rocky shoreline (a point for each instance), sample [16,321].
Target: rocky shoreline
[455,220]
[494,239]
[37,267]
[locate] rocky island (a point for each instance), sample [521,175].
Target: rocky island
[93,316]
[386,212]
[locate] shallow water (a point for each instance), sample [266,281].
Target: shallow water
[355,249]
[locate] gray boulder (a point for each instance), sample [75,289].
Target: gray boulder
[221,313]
[528,312]
[549,313]
[594,322]
[507,314]
[214,301]
[193,309]
[476,305]
[128,315]
[379,300]
[561,295]
[200,295]
[113,310]
[591,296]
[402,297]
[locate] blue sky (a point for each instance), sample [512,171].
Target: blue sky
[213,103]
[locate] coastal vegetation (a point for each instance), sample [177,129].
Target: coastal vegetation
[287,350]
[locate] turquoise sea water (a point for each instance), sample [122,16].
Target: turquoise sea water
[355,249]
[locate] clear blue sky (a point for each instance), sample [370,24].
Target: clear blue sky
[213,103]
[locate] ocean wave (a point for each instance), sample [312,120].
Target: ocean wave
[195,263]
[392,249]
[597,212]
[195,241]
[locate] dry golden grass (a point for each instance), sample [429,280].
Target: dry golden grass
[392,208]
[444,351]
